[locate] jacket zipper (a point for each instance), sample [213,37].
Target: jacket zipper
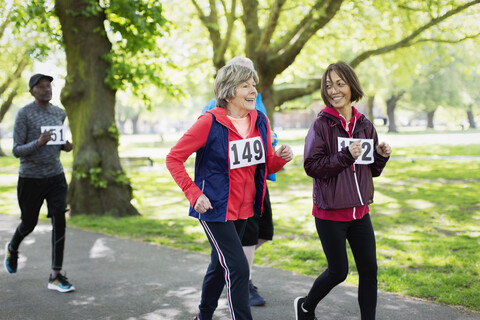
[354,170]
[358,190]
[203,186]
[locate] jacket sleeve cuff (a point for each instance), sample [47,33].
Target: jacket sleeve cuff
[192,195]
[276,164]
[378,155]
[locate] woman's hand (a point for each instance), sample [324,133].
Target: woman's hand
[285,152]
[355,149]
[202,204]
[384,149]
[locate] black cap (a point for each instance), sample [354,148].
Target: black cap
[36,78]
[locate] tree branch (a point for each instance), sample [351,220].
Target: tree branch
[285,53]
[200,12]
[18,72]
[446,40]
[5,23]
[8,102]
[270,26]
[408,40]
[296,91]
[252,29]
[211,23]
[231,17]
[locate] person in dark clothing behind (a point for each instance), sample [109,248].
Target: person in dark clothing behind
[342,154]
[41,176]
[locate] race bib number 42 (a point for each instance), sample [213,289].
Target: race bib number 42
[367,149]
[246,152]
[57,134]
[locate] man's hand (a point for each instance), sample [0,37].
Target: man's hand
[67,147]
[44,138]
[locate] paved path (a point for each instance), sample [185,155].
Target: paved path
[130,280]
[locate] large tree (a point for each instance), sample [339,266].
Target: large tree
[96,68]
[440,83]
[468,71]
[276,33]
[9,89]
[19,46]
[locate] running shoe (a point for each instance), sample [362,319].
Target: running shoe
[11,259]
[255,298]
[60,283]
[300,313]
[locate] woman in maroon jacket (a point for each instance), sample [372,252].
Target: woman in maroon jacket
[342,155]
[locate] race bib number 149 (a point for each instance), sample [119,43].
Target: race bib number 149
[367,149]
[246,152]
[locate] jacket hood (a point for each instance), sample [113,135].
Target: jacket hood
[331,110]
[332,114]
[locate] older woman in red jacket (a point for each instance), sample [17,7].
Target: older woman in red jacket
[234,156]
[342,154]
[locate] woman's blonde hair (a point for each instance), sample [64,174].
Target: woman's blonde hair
[228,79]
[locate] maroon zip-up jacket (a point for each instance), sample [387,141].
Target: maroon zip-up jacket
[337,182]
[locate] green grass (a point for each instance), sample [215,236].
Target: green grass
[426,217]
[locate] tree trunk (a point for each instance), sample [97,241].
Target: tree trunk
[391,105]
[121,124]
[134,120]
[99,185]
[266,90]
[370,101]
[430,115]
[471,119]
[2,153]
[392,125]
[3,110]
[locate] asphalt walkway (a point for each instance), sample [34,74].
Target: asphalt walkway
[130,280]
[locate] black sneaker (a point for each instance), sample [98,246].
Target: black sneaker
[255,298]
[300,314]
[60,283]
[11,259]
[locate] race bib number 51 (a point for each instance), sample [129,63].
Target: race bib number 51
[367,149]
[57,134]
[246,152]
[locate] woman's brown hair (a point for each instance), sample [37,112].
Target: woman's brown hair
[346,73]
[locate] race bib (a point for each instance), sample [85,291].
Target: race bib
[57,134]
[367,149]
[246,152]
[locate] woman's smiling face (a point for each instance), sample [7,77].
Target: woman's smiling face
[245,96]
[338,91]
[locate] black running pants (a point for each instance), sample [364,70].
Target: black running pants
[361,238]
[31,195]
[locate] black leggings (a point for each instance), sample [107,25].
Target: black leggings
[361,238]
[228,268]
[31,195]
